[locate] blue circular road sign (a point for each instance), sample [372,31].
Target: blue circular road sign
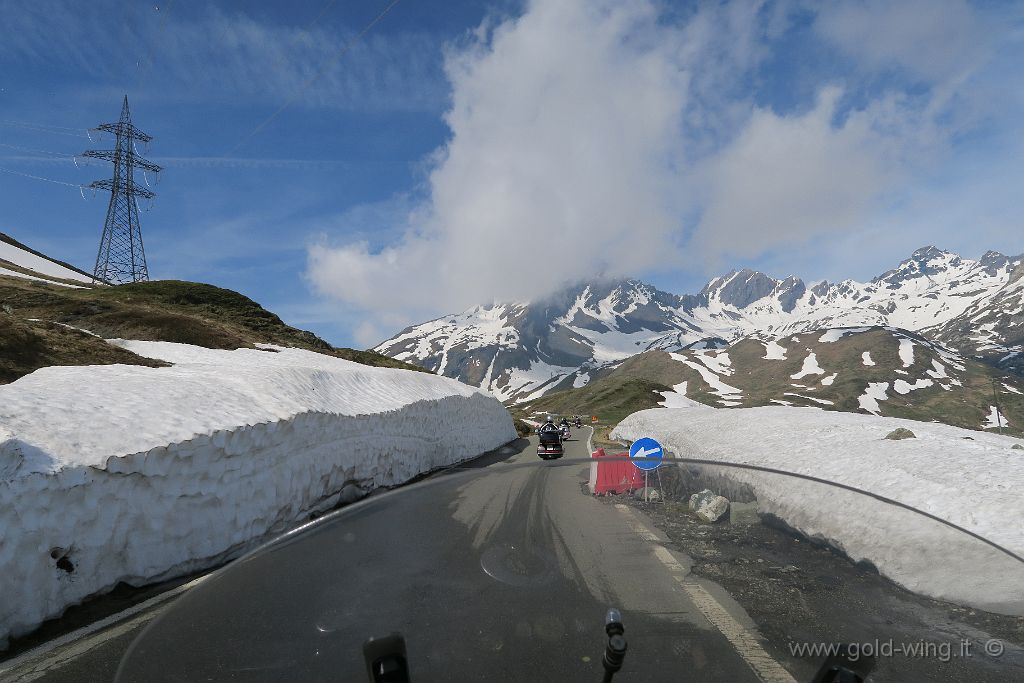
[646,448]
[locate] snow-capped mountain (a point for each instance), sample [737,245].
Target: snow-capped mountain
[522,350]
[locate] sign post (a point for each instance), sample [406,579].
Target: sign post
[653,455]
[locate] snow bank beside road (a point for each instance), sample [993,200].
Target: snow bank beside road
[126,473]
[974,484]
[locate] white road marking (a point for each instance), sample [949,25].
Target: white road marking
[634,524]
[81,641]
[745,642]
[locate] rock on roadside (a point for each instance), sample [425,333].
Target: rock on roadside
[708,505]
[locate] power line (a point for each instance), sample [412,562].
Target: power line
[43,125]
[45,128]
[38,177]
[305,86]
[37,151]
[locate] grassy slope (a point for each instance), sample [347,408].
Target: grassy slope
[26,346]
[632,386]
[166,310]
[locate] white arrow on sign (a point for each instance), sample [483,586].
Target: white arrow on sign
[644,453]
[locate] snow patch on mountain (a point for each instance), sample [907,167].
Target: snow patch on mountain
[875,392]
[901,386]
[992,420]
[727,394]
[773,351]
[677,399]
[40,268]
[810,367]
[836,334]
[719,363]
[906,352]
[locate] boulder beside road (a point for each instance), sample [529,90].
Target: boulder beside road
[708,505]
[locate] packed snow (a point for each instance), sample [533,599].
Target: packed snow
[810,367]
[136,474]
[994,419]
[44,268]
[773,351]
[13,273]
[827,381]
[930,473]
[866,357]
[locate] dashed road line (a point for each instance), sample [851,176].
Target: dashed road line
[746,643]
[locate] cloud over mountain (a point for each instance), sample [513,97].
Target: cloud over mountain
[625,139]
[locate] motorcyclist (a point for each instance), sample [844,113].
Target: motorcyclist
[549,425]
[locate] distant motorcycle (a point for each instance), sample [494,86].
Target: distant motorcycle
[565,432]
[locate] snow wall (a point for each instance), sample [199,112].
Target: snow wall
[124,473]
[969,478]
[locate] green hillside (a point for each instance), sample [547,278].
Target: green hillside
[36,321]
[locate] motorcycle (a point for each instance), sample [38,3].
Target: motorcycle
[550,445]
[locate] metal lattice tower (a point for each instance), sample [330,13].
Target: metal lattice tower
[122,257]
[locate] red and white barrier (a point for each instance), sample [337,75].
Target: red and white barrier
[613,473]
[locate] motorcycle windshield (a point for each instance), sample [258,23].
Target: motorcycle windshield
[721,573]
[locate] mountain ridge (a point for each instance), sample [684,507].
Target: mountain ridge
[522,350]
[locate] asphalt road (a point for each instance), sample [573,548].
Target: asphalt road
[504,574]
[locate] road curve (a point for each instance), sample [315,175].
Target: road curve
[504,574]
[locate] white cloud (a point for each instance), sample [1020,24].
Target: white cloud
[785,179]
[933,39]
[563,163]
[367,334]
[603,138]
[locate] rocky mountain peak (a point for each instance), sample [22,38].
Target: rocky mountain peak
[993,262]
[740,288]
[927,261]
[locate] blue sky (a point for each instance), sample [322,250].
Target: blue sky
[419,169]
